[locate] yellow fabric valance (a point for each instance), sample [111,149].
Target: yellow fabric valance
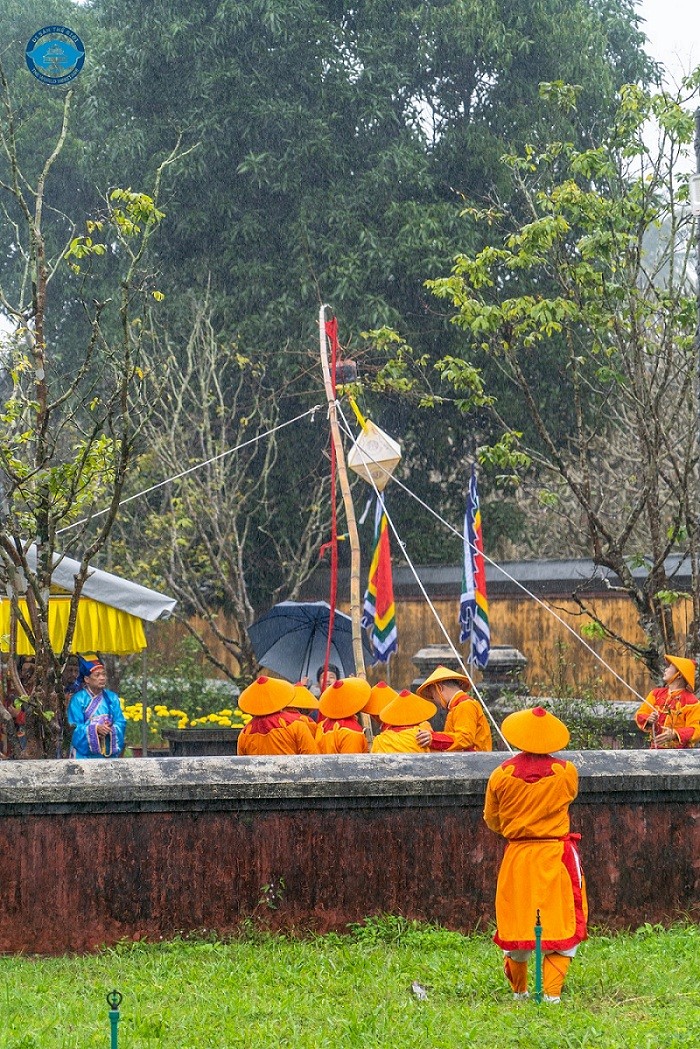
[98,628]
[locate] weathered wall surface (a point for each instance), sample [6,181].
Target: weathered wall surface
[94,852]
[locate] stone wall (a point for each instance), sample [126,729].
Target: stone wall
[94,852]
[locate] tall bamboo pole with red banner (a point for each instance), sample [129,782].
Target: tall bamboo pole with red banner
[329,330]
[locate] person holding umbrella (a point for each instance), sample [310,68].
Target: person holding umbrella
[339,730]
[272,728]
[527,802]
[671,714]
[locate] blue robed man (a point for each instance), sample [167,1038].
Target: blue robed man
[96,714]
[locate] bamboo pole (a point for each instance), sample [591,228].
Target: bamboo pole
[353,536]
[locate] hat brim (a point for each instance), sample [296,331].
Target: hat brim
[441,674]
[344,702]
[303,699]
[378,699]
[536,735]
[267,697]
[407,710]
[685,667]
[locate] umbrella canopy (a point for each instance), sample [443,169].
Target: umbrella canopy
[291,639]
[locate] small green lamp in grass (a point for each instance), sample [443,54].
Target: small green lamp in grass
[538,959]
[114,1000]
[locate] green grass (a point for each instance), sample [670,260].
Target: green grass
[638,990]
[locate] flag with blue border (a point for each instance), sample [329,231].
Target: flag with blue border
[474,606]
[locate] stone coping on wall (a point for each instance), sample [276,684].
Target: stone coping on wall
[307,782]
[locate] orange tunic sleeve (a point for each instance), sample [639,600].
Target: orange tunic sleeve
[642,715]
[466,727]
[304,741]
[688,726]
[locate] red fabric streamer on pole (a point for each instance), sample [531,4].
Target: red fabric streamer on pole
[332,335]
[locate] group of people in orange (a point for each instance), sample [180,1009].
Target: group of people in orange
[289,719]
[527,798]
[282,722]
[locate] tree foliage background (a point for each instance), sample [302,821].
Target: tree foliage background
[333,149]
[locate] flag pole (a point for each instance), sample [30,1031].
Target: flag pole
[354,539]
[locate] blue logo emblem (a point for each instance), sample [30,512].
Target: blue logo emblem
[55,54]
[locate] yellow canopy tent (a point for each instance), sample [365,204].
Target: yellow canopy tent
[110,616]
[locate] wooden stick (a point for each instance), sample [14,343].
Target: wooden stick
[353,536]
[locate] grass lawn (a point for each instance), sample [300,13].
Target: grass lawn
[640,989]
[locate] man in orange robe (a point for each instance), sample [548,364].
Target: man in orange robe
[272,729]
[527,802]
[402,720]
[466,727]
[339,730]
[672,714]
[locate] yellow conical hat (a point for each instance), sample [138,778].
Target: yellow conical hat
[380,697]
[407,709]
[303,698]
[266,695]
[536,731]
[344,698]
[685,667]
[442,674]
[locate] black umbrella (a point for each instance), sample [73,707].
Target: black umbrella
[291,639]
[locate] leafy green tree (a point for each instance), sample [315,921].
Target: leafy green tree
[214,537]
[336,144]
[67,440]
[606,236]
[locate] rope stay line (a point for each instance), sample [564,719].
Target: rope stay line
[198,466]
[500,569]
[430,604]
[312,412]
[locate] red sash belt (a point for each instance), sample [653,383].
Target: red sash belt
[564,837]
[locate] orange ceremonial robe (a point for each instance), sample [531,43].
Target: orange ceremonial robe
[527,801]
[399,739]
[284,733]
[679,710]
[466,727]
[341,736]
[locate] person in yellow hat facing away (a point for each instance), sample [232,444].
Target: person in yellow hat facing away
[306,704]
[466,727]
[402,720]
[671,714]
[339,730]
[527,802]
[380,697]
[272,728]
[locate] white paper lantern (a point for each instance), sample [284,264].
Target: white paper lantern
[374,455]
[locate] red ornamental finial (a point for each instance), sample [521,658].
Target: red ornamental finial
[539,712]
[262,680]
[337,684]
